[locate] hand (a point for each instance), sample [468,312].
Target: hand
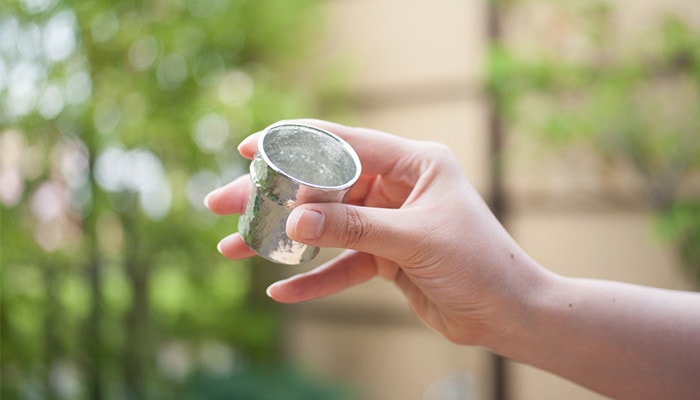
[412,218]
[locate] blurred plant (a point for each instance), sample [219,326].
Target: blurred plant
[680,224]
[116,118]
[271,383]
[637,108]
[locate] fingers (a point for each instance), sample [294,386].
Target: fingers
[378,151]
[231,198]
[350,269]
[249,146]
[234,247]
[372,230]
[391,167]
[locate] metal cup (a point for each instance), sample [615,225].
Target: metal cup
[294,164]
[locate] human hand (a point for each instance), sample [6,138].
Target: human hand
[412,218]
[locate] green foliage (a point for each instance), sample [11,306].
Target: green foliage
[116,118]
[680,225]
[265,384]
[634,103]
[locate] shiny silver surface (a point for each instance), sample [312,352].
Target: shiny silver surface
[294,164]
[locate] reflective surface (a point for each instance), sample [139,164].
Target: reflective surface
[294,164]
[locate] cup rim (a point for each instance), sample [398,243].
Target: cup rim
[345,145]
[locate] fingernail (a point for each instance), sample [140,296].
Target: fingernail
[307,224]
[208,197]
[269,289]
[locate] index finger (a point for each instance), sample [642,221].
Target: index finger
[379,152]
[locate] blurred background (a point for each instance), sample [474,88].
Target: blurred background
[579,122]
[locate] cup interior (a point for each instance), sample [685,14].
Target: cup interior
[311,156]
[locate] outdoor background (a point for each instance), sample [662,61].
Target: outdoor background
[579,122]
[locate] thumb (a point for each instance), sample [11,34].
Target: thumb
[371,230]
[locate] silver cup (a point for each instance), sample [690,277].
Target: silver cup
[294,164]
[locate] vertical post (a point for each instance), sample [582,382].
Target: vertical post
[93,367]
[496,196]
[137,345]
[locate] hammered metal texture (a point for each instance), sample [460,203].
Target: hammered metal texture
[294,164]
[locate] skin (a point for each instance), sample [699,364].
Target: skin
[414,219]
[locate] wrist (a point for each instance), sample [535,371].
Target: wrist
[513,329]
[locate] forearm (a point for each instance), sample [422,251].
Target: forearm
[621,340]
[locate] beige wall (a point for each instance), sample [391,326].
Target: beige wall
[416,68]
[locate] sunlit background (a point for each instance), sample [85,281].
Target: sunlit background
[579,122]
